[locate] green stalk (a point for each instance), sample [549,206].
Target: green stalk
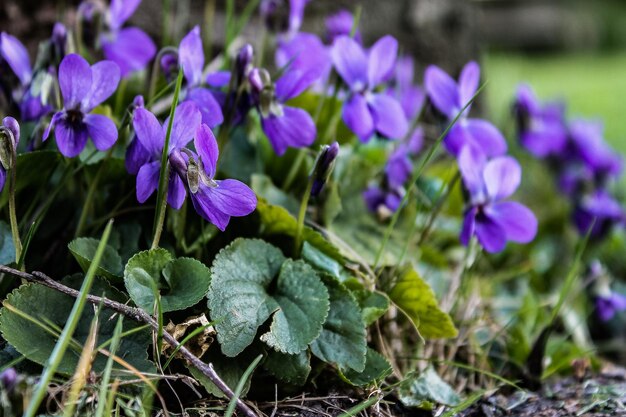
[106,375]
[416,176]
[15,231]
[159,215]
[301,214]
[295,167]
[58,352]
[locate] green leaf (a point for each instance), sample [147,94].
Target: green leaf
[303,306]
[373,304]
[376,369]
[343,338]
[320,260]
[426,388]
[229,369]
[84,249]
[51,308]
[265,188]
[292,369]
[251,280]
[7,249]
[417,300]
[181,282]
[278,221]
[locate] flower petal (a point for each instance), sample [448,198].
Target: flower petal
[147,180]
[176,192]
[102,131]
[208,106]
[293,83]
[71,138]
[74,79]
[57,116]
[381,60]
[149,132]
[486,136]
[16,55]
[207,148]
[131,48]
[350,62]
[388,116]
[373,197]
[442,91]
[295,128]
[187,119]
[105,76]
[356,115]
[191,56]
[490,234]
[136,156]
[120,11]
[468,82]
[471,165]
[304,52]
[469,225]
[518,221]
[229,198]
[502,176]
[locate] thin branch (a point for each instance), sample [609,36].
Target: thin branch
[137,315]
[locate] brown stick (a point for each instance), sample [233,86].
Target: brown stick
[136,314]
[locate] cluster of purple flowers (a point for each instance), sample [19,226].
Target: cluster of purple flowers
[578,155]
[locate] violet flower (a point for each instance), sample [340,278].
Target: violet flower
[191,59]
[130,48]
[411,96]
[304,52]
[382,201]
[541,128]
[608,306]
[84,87]
[323,167]
[449,98]
[599,209]
[492,220]
[284,126]
[151,135]
[215,200]
[589,146]
[367,111]
[340,24]
[399,165]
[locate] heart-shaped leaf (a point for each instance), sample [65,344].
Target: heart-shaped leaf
[376,369]
[84,249]
[181,282]
[292,369]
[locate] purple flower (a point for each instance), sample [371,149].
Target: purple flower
[382,202]
[8,379]
[304,52]
[284,126]
[340,24]
[367,111]
[608,306]
[541,128]
[410,95]
[599,209]
[15,55]
[84,87]
[151,135]
[191,59]
[590,148]
[215,200]
[492,220]
[399,165]
[9,131]
[130,48]
[449,98]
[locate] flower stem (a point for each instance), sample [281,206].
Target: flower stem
[295,167]
[301,214]
[159,215]
[15,231]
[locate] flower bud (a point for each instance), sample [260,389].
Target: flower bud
[9,139]
[90,15]
[169,65]
[8,379]
[323,167]
[59,40]
[243,63]
[138,101]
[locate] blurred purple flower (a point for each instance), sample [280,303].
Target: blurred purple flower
[589,146]
[215,200]
[284,126]
[541,128]
[84,87]
[191,59]
[130,48]
[8,379]
[608,306]
[449,98]
[306,53]
[399,165]
[366,111]
[492,220]
[340,24]
[382,201]
[151,135]
[600,209]
[411,96]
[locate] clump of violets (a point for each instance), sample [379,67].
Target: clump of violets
[449,98]
[84,87]
[366,111]
[489,215]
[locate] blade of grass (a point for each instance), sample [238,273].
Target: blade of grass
[417,174]
[106,375]
[364,405]
[72,322]
[108,411]
[27,240]
[159,215]
[242,383]
[465,404]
